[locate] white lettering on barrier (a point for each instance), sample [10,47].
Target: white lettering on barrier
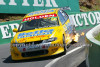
[73,18]
[90,19]
[5,30]
[40,3]
[97,14]
[2,2]
[53,3]
[84,16]
[37,4]
[12,2]
[25,3]
[77,19]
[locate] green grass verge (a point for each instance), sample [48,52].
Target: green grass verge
[97,37]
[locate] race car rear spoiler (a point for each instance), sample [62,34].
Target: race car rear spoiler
[65,8]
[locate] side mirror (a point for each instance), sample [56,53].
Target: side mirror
[15,30]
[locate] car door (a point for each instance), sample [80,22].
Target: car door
[67,26]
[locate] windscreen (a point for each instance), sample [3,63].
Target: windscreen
[39,23]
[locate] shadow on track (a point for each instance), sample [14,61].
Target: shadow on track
[9,60]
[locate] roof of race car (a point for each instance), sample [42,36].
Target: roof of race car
[48,11]
[43,12]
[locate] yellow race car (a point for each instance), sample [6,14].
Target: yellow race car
[43,33]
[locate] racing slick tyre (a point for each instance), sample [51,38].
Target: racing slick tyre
[64,44]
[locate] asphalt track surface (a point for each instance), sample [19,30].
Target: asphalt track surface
[74,57]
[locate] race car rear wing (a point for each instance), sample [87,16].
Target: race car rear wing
[65,8]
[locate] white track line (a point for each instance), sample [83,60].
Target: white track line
[55,60]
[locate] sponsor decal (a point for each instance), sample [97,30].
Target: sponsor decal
[35,33]
[31,47]
[34,47]
[40,16]
[23,45]
[40,36]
